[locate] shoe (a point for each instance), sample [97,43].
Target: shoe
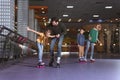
[41,64]
[51,62]
[85,60]
[58,65]
[80,60]
[92,60]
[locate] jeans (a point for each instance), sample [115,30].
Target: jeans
[40,51]
[53,41]
[87,49]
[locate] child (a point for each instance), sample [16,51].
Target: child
[41,40]
[80,42]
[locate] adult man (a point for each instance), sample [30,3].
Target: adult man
[58,30]
[93,38]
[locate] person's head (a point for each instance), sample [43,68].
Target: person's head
[54,21]
[98,27]
[82,31]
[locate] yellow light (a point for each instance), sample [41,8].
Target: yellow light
[101,44]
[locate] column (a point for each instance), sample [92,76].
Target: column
[119,37]
[31,35]
[36,27]
[22,17]
[7,17]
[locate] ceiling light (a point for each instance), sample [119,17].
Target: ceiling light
[111,21]
[79,20]
[78,29]
[43,12]
[95,15]
[68,29]
[69,20]
[42,8]
[49,20]
[65,15]
[108,7]
[100,20]
[43,17]
[45,24]
[70,6]
[90,20]
[60,20]
[116,19]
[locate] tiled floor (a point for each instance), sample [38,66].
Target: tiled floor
[102,69]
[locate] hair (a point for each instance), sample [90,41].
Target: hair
[54,19]
[82,29]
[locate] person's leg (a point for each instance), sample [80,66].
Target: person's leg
[82,51]
[40,53]
[92,51]
[79,52]
[53,41]
[87,48]
[59,48]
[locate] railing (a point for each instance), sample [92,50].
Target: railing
[14,45]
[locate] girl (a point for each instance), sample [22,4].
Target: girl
[41,40]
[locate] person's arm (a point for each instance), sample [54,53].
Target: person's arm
[39,33]
[64,30]
[48,34]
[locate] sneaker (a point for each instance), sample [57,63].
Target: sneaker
[85,60]
[93,60]
[41,63]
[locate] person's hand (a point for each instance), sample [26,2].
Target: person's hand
[28,28]
[99,42]
[90,38]
[58,35]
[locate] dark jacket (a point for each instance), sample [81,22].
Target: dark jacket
[60,29]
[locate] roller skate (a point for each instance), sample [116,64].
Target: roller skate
[92,60]
[81,60]
[51,61]
[41,65]
[58,65]
[85,60]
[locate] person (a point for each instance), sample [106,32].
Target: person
[58,30]
[41,41]
[93,38]
[81,42]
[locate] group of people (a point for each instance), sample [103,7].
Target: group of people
[56,31]
[90,42]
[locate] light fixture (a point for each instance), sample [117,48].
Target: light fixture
[117,29]
[78,29]
[68,29]
[91,20]
[60,20]
[79,20]
[43,12]
[65,15]
[95,15]
[45,24]
[116,19]
[70,6]
[108,7]
[43,17]
[69,20]
[100,20]
[42,8]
